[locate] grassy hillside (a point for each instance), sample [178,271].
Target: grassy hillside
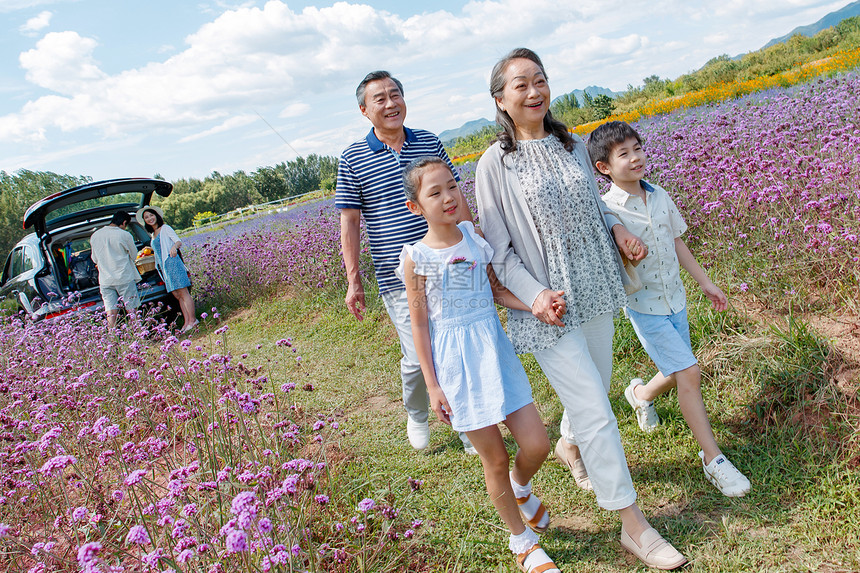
[836,49]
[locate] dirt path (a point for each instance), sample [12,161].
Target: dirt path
[840,330]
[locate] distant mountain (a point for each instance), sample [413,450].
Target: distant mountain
[593,91]
[464,130]
[831,19]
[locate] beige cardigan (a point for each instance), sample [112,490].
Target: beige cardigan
[518,254]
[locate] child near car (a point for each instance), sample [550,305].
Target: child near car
[658,311]
[473,376]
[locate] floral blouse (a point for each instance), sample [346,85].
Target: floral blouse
[580,253]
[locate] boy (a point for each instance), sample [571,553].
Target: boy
[658,311]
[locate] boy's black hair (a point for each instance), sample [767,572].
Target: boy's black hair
[606,137]
[119,218]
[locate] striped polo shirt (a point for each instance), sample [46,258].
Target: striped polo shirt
[370,178]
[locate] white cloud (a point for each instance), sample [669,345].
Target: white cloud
[245,57]
[251,57]
[230,124]
[96,147]
[718,39]
[37,23]
[62,62]
[596,49]
[295,110]
[462,109]
[740,8]
[15,5]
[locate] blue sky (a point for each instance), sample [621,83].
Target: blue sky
[121,88]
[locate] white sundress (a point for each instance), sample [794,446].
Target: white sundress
[477,369]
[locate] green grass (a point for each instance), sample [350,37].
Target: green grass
[773,405]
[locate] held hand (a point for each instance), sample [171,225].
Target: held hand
[629,244]
[546,306]
[716,296]
[439,404]
[355,300]
[560,307]
[635,249]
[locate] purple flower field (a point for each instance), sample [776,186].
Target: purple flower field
[135,451]
[769,185]
[266,256]
[296,215]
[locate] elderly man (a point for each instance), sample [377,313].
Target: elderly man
[114,252]
[370,182]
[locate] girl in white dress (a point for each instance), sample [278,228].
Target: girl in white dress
[473,376]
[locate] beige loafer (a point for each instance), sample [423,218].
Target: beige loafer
[576,467]
[654,550]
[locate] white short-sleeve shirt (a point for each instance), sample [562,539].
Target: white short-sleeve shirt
[658,223]
[114,252]
[431,263]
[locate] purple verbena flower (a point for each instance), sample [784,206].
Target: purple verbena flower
[88,557]
[237,541]
[57,463]
[137,535]
[134,477]
[366,505]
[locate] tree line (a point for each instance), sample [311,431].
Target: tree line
[20,190]
[223,193]
[217,193]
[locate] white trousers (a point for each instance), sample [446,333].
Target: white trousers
[579,368]
[415,397]
[416,401]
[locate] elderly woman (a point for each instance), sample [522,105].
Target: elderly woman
[165,244]
[541,212]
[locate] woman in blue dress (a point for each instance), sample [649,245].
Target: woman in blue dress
[165,244]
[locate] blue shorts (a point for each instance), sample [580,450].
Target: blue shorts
[666,339]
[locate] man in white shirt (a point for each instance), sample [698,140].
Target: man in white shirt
[114,252]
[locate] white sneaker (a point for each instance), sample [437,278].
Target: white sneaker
[418,433]
[646,414]
[723,474]
[468,448]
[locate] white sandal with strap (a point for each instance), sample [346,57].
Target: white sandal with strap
[534,522]
[537,517]
[538,561]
